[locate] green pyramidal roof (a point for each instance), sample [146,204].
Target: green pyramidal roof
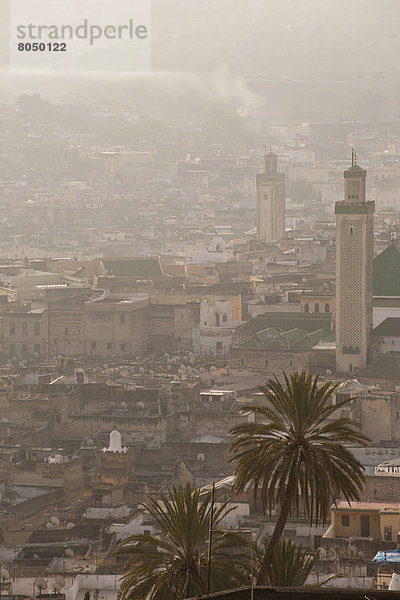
[382,367]
[286,321]
[133,267]
[276,339]
[387,272]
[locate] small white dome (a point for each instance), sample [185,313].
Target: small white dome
[115,441]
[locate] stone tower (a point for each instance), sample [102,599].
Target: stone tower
[270,201]
[354,258]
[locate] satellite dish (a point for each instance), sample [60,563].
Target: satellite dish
[69,553]
[56,587]
[4,574]
[41,583]
[141,405]
[55,521]
[124,405]
[60,579]
[49,525]
[201,457]
[70,525]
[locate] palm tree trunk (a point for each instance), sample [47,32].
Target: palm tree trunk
[274,541]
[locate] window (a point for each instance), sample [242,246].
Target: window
[24,328]
[242,361]
[345,521]
[225,318]
[266,363]
[219,345]
[65,330]
[327,307]
[37,348]
[351,230]
[351,368]
[24,349]
[12,328]
[122,318]
[217,320]
[36,329]
[12,348]
[290,363]
[122,347]
[306,307]
[316,307]
[109,345]
[93,345]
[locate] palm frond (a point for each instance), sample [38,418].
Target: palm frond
[174,565]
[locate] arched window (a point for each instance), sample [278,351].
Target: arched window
[327,307]
[351,230]
[306,307]
[316,308]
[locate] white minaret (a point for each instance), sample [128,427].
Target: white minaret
[270,201]
[115,443]
[354,257]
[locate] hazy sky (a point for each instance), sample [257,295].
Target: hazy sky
[298,38]
[224,48]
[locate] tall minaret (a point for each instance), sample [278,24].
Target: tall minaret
[354,256]
[270,201]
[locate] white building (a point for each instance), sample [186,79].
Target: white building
[213,336]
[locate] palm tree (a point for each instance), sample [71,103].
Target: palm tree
[291,564]
[174,565]
[297,453]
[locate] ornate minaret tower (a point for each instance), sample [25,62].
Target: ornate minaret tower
[270,201]
[354,256]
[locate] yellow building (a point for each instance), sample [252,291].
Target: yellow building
[376,520]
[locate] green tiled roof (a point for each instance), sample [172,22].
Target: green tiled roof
[261,338]
[287,321]
[387,272]
[133,267]
[389,327]
[295,339]
[383,367]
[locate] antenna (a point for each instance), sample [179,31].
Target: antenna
[210,539]
[355,157]
[352,157]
